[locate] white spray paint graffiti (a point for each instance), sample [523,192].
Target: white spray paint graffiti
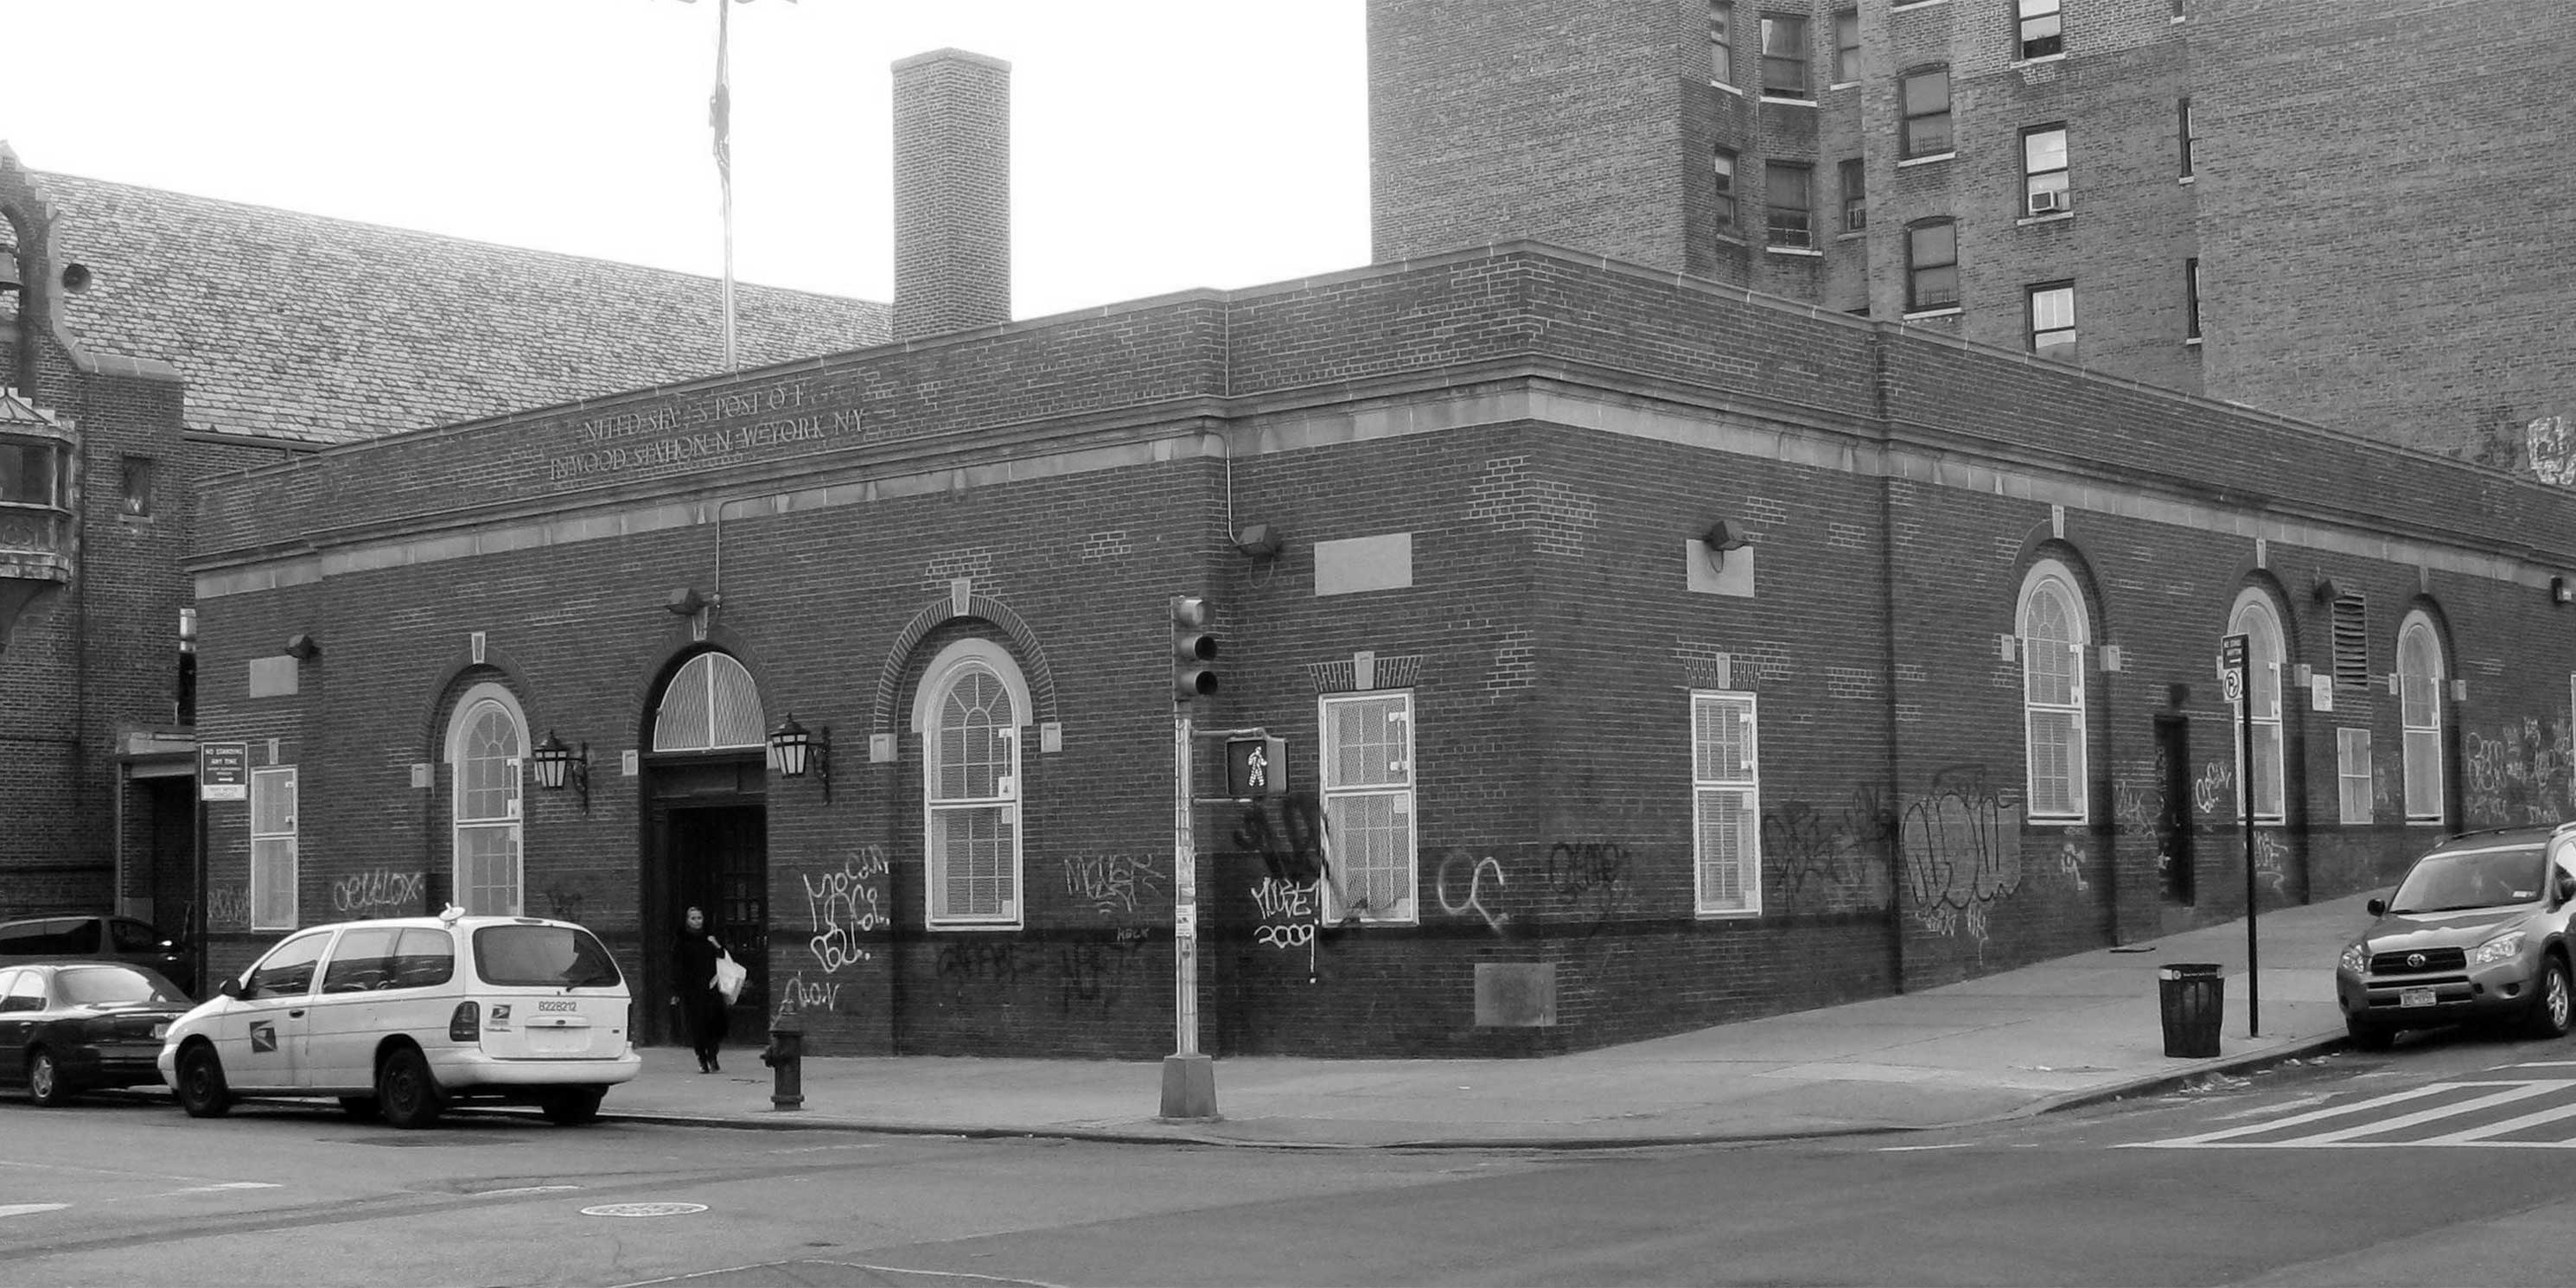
[810,997]
[1113,883]
[2070,860]
[2272,861]
[2553,450]
[378,891]
[2215,787]
[1287,912]
[1475,902]
[843,906]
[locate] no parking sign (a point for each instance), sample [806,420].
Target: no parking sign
[2231,667]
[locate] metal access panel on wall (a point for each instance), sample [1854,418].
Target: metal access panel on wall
[1516,995]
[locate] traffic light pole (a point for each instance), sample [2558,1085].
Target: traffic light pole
[1189,1077]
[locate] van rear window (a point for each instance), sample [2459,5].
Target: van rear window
[543,956]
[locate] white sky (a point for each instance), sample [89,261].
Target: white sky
[1156,145]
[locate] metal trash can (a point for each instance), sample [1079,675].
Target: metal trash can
[2193,998]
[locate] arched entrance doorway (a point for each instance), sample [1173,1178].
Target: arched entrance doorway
[706,831]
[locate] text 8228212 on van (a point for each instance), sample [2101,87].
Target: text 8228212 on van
[404,1016]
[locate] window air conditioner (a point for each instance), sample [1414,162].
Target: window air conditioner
[2049,202]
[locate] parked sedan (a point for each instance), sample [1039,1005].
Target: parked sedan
[70,1026]
[98,937]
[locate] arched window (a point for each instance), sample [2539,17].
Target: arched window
[2052,691]
[968,712]
[486,744]
[2256,620]
[710,704]
[2419,703]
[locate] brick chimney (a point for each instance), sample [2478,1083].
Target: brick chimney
[952,193]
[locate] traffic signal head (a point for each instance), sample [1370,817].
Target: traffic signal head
[1192,649]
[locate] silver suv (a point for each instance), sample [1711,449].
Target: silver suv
[401,1017]
[2478,928]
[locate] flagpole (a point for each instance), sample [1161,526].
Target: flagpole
[722,110]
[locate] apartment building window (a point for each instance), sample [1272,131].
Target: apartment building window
[2043,171]
[2256,619]
[485,752]
[2042,28]
[1926,96]
[135,479]
[273,874]
[974,702]
[1726,217]
[2052,321]
[2352,774]
[2191,297]
[1784,57]
[1932,266]
[2052,691]
[1721,42]
[1726,804]
[2419,701]
[2182,134]
[1367,778]
[1855,196]
[1846,46]
[1788,192]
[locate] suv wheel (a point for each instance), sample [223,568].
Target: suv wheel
[202,1090]
[45,1079]
[2553,1008]
[574,1106]
[406,1091]
[2369,1037]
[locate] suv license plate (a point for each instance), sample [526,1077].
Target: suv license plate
[2415,997]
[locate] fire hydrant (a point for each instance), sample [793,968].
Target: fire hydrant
[786,1060]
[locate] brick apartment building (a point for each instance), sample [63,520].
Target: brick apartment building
[1649,651]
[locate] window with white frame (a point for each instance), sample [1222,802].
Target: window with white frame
[273,873]
[2043,171]
[969,712]
[2051,317]
[2419,703]
[2260,624]
[486,750]
[2053,635]
[2042,30]
[2352,773]
[1367,749]
[1726,804]
[1721,42]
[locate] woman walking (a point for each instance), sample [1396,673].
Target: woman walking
[702,1006]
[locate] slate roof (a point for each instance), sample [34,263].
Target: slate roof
[327,330]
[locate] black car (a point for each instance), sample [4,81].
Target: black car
[65,936]
[67,1027]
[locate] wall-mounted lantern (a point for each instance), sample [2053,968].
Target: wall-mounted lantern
[555,764]
[795,749]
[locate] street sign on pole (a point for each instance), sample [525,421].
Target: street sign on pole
[223,771]
[2232,660]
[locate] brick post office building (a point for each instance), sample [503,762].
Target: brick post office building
[1647,653]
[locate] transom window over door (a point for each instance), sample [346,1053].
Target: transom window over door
[972,704]
[2419,701]
[710,704]
[1367,748]
[2260,624]
[486,748]
[2053,636]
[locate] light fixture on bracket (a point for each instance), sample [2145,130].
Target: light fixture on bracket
[1259,541]
[2326,591]
[795,749]
[556,764]
[1721,537]
[302,648]
[687,602]
[2562,591]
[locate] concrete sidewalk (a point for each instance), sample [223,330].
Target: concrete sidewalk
[2071,1031]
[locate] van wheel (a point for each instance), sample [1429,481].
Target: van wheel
[2553,1010]
[202,1090]
[407,1091]
[45,1079]
[574,1106]
[363,1109]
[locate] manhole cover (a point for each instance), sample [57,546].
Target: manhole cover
[644,1209]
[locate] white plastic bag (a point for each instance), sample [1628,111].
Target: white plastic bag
[729,977]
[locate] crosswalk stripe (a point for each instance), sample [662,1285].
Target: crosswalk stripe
[2232,1137]
[30,1209]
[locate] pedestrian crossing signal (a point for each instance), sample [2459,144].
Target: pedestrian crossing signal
[1256,766]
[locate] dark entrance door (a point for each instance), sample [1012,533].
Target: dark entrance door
[2173,826]
[708,841]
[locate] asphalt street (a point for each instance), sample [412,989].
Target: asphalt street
[2449,1160]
